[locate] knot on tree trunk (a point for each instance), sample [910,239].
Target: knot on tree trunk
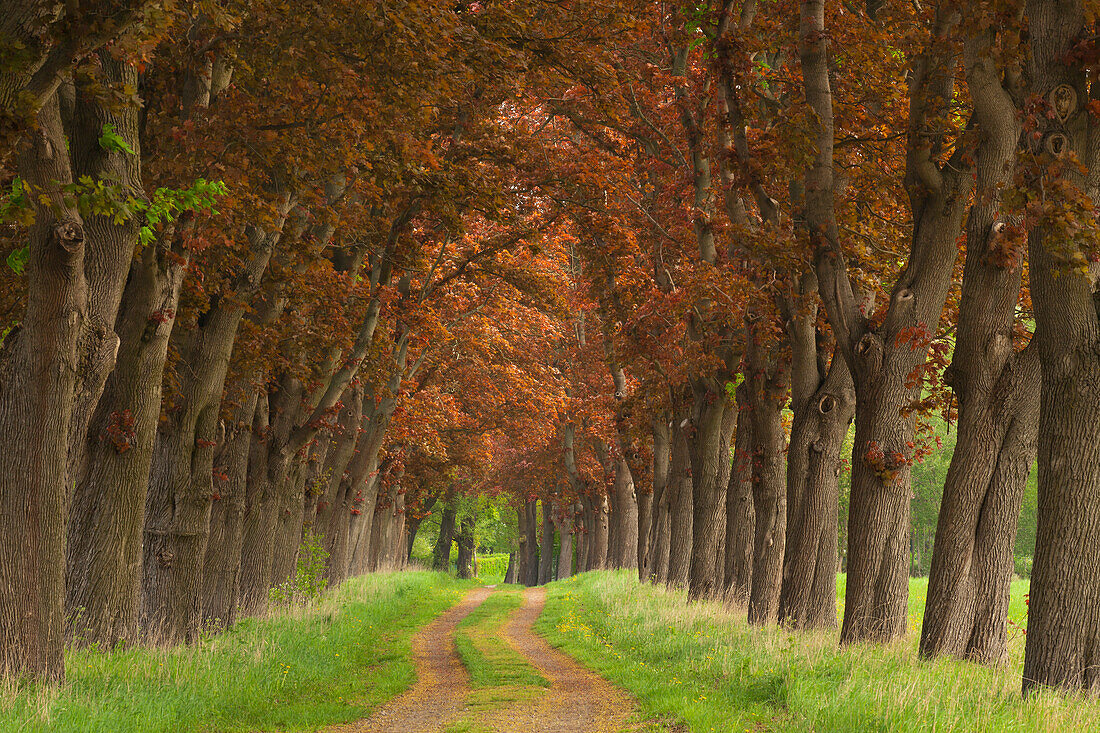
[70,235]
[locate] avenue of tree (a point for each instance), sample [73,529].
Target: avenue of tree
[282,272]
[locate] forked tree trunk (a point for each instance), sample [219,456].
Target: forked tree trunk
[465,564]
[886,356]
[103,568]
[740,511]
[441,554]
[823,405]
[768,375]
[1063,632]
[966,612]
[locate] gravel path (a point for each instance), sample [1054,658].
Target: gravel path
[578,700]
[442,684]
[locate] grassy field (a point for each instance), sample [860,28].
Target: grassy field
[701,664]
[329,663]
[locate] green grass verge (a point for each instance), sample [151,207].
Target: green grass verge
[331,662]
[702,665]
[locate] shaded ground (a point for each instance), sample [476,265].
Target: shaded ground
[576,701]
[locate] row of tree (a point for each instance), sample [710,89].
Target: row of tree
[276,269]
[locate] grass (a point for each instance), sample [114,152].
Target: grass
[490,660]
[701,665]
[330,662]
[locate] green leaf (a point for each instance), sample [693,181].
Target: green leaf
[112,141]
[17,260]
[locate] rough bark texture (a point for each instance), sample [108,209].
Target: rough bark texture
[531,543]
[546,548]
[103,563]
[563,521]
[884,358]
[680,509]
[465,561]
[653,564]
[712,425]
[823,405]
[38,366]
[1063,639]
[221,573]
[768,375]
[441,553]
[740,511]
[997,389]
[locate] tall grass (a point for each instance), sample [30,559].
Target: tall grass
[297,669]
[703,665]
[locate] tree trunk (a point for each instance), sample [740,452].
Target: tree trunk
[177,509]
[38,367]
[563,520]
[531,527]
[769,378]
[524,556]
[653,563]
[465,564]
[511,574]
[997,389]
[222,566]
[597,556]
[740,511]
[680,508]
[546,549]
[441,554]
[1063,639]
[103,568]
[711,429]
[584,532]
[886,356]
[823,405]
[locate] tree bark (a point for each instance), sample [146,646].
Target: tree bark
[38,367]
[1063,639]
[222,567]
[769,378]
[712,424]
[997,389]
[823,405]
[103,564]
[546,549]
[465,564]
[680,507]
[740,511]
[441,554]
[884,359]
[563,520]
[531,529]
[654,562]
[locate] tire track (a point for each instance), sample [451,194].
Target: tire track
[578,701]
[442,684]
